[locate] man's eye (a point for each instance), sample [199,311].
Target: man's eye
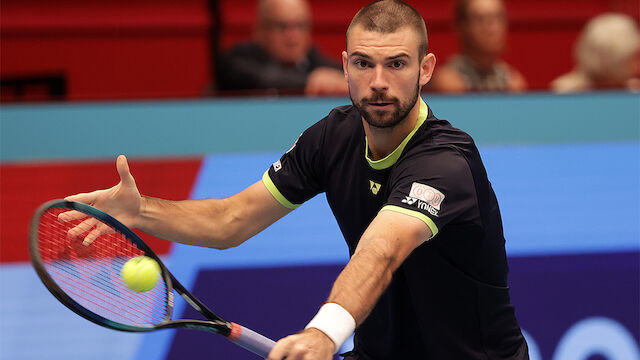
[397,64]
[361,64]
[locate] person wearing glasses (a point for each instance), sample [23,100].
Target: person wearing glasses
[280,58]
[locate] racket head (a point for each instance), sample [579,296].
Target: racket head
[86,278]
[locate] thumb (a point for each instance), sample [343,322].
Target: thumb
[123,170]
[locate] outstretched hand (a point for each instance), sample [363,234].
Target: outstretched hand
[121,201]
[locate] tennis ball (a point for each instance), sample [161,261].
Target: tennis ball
[140,273]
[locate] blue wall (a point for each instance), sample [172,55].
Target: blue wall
[98,130]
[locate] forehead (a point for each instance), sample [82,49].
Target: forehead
[485,6]
[287,10]
[373,43]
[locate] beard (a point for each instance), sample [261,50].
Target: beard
[385,119]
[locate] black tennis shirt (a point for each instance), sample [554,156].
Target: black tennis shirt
[449,299]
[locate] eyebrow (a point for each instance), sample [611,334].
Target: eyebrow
[394,57]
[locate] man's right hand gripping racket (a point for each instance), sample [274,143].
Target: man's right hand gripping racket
[87,278]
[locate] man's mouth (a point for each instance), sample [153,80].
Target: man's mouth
[380,104]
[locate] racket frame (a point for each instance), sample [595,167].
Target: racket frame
[214,324]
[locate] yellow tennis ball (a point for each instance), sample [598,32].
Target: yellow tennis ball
[140,273]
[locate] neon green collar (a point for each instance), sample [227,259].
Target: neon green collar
[391,159]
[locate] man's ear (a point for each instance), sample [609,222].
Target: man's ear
[427,66]
[345,59]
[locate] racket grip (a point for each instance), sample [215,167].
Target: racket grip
[251,340]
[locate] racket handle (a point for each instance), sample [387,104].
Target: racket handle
[251,340]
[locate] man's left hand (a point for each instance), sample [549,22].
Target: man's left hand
[311,344]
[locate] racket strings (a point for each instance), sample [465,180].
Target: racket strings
[90,274]
[66,273]
[102,276]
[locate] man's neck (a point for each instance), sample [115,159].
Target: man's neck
[382,141]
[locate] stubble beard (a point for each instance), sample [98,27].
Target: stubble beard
[383,120]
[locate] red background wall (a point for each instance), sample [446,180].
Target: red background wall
[109,49]
[122,49]
[171,178]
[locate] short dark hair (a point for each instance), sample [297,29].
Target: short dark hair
[388,16]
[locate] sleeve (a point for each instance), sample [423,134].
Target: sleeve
[297,176]
[436,188]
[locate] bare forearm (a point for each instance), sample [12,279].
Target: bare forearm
[362,281]
[218,223]
[387,242]
[193,222]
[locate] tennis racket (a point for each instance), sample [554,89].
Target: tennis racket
[86,278]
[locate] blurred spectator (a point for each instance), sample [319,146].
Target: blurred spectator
[607,56]
[281,55]
[482,31]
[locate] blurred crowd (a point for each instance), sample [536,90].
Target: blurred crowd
[281,56]
[606,56]
[270,47]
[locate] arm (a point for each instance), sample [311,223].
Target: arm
[326,81]
[219,223]
[447,80]
[383,247]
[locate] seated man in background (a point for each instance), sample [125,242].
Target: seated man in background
[482,30]
[281,55]
[607,56]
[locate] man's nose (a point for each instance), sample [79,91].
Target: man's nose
[379,82]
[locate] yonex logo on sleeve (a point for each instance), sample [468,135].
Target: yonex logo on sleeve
[427,194]
[409,200]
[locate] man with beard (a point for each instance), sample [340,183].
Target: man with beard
[427,278]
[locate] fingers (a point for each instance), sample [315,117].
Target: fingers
[101,229]
[279,352]
[87,198]
[82,228]
[92,227]
[71,215]
[123,170]
[307,345]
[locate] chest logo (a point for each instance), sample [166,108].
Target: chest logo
[374,187]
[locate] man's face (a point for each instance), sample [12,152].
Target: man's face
[384,74]
[485,28]
[285,30]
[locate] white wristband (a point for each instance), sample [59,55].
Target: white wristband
[336,322]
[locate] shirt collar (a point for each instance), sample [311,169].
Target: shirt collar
[391,159]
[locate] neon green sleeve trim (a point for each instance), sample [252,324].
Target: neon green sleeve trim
[276,193]
[416,214]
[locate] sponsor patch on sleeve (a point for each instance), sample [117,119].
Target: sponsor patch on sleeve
[424,197]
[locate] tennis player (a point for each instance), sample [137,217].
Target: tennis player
[427,278]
